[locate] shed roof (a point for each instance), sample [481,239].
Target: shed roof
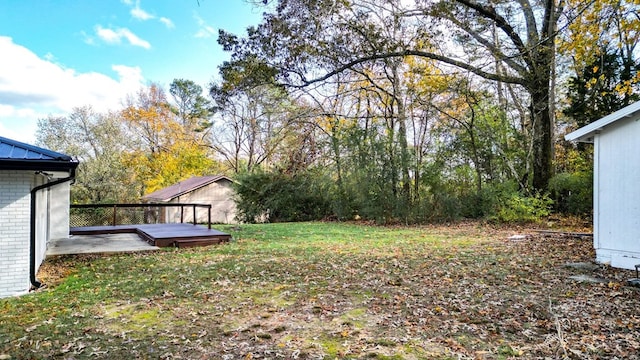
[184,187]
[15,155]
[586,133]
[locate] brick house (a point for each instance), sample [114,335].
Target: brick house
[34,208]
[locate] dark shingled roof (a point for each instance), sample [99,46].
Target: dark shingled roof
[183,187]
[15,155]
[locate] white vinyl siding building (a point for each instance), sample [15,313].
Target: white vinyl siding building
[616,185]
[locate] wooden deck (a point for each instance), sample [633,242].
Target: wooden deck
[162,235]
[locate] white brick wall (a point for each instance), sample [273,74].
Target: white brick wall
[14,231]
[59,213]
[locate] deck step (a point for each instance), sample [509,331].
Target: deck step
[197,242]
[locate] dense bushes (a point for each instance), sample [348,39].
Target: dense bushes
[503,202]
[279,197]
[573,192]
[519,208]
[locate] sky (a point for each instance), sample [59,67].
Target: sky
[59,54]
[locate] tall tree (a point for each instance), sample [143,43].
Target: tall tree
[600,88]
[99,142]
[148,116]
[309,42]
[193,110]
[251,123]
[601,44]
[164,152]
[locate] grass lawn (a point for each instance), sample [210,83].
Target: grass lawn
[331,290]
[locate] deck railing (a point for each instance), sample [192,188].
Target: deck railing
[119,214]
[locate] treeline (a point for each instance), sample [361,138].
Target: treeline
[433,111]
[150,143]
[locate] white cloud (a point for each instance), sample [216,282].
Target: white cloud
[23,135]
[115,36]
[140,14]
[167,22]
[32,87]
[19,124]
[204,30]
[107,35]
[129,77]
[88,39]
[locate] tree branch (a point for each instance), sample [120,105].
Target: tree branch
[530,19]
[490,13]
[491,47]
[462,65]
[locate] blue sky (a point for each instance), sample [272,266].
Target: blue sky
[60,54]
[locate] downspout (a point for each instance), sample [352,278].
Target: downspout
[35,284]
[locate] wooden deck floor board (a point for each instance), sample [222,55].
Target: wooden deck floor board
[162,235]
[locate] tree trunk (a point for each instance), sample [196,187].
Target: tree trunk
[402,137]
[542,140]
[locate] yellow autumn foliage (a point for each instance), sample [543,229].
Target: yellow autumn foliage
[166,152]
[598,24]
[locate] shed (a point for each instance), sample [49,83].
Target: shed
[616,185]
[215,190]
[34,209]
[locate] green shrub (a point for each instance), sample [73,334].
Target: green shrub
[487,202]
[280,197]
[446,207]
[572,192]
[503,202]
[518,208]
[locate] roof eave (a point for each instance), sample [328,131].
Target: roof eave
[55,156]
[194,188]
[215,180]
[41,165]
[585,138]
[150,199]
[586,133]
[151,196]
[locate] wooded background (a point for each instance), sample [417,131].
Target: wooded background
[388,110]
